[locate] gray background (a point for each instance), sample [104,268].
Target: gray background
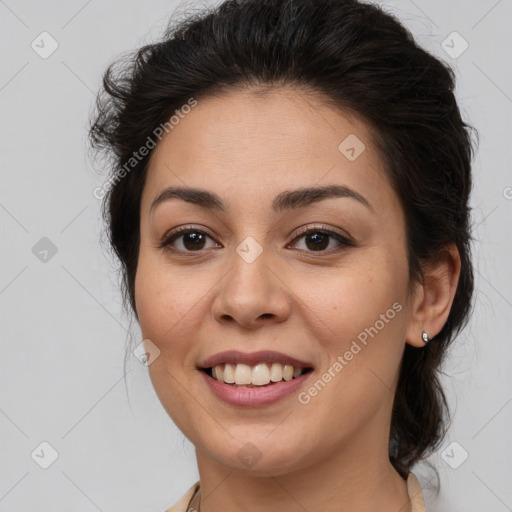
[63,328]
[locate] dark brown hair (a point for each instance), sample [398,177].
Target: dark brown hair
[362,60]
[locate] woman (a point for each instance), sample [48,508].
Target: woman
[288,199]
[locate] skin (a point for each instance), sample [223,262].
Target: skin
[332,453]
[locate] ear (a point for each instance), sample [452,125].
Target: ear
[434,296]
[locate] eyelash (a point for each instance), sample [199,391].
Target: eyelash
[167,240]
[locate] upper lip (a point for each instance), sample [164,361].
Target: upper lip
[252,358]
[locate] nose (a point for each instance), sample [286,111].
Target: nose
[252,294]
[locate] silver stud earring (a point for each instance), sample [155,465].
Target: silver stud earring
[425,338]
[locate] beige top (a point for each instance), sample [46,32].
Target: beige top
[413,487]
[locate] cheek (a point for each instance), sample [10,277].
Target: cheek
[166,310]
[359,321]
[172,306]
[359,315]
[351,299]
[162,300]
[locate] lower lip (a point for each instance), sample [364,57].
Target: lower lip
[257,396]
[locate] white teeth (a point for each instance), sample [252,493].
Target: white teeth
[218,373]
[287,372]
[258,375]
[229,374]
[243,374]
[276,372]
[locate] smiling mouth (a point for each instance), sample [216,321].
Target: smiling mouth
[259,375]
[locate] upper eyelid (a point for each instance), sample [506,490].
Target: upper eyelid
[321,228]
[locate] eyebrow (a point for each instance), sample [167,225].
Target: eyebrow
[287,200]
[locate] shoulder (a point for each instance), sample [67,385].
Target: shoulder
[182,504]
[415,493]
[413,487]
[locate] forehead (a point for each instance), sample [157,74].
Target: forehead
[246,143]
[243,120]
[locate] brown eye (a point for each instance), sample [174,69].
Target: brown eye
[186,240]
[193,240]
[317,240]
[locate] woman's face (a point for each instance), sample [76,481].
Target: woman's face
[246,277]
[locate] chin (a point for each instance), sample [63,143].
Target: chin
[259,455]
